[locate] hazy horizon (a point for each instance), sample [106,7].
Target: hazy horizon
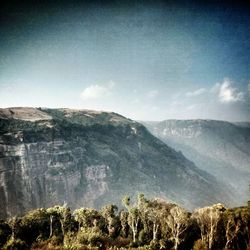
[146,60]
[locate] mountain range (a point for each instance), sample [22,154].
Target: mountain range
[90,158]
[218,147]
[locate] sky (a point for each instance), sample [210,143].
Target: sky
[147,60]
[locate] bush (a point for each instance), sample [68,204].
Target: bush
[55,242]
[15,244]
[198,245]
[5,232]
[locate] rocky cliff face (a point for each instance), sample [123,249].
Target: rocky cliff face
[88,158]
[218,147]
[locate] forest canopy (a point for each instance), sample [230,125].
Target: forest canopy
[142,224]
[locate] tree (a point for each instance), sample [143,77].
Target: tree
[154,214]
[87,217]
[236,223]
[63,215]
[124,223]
[5,232]
[144,210]
[109,212]
[14,224]
[155,217]
[126,202]
[207,219]
[133,221]
[133,217]
[178,222]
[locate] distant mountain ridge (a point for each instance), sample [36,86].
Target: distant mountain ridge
[219,147]
[91,158]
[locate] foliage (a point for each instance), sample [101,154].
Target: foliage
[145,224]
[15,244]
[5,232]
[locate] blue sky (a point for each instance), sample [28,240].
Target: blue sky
[147,60]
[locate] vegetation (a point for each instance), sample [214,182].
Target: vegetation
[145,224]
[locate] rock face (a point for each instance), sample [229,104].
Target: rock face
[89,158]
[218,147]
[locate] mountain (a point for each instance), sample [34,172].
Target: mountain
[90,158]
[221,148]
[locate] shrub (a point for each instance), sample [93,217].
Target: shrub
[15,244]
[198,245]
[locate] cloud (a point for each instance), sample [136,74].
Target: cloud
[97,91]
[215,89]
[248,87]
[196,92]
[228,94]
[152,93]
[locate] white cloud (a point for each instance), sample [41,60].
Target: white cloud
[248,87]
[228,94]
[196,92]
[97,91]
[152,93]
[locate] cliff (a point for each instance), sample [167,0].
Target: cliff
[218,147]
[90,158]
